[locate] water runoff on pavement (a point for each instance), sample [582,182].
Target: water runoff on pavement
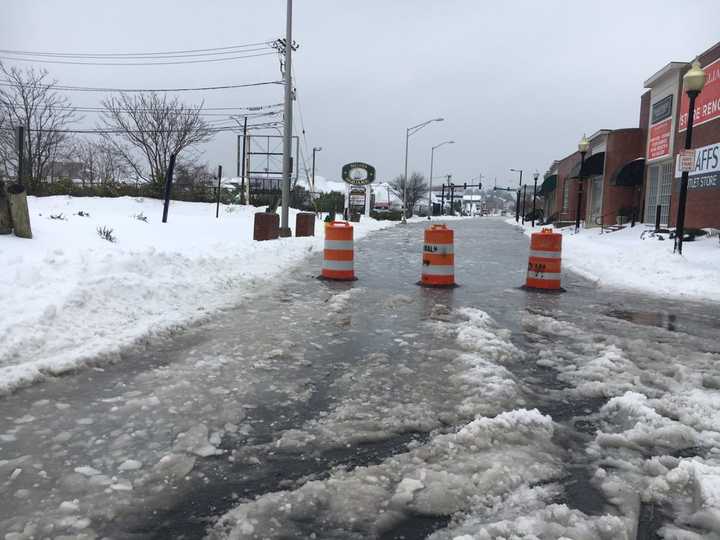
[381,409]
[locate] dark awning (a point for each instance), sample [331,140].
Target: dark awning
[594,166]
[630,174]
[548,185]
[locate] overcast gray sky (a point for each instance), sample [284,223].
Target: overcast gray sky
[518,82]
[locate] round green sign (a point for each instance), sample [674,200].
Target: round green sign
[358,173]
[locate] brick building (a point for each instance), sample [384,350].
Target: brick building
[634,171]
[611,179]
[703,201]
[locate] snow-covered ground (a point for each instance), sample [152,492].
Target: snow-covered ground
[70,297]
[622,259]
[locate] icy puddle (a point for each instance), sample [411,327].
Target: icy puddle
[379,409]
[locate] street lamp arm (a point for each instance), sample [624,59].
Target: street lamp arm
[414,129]
[442,144]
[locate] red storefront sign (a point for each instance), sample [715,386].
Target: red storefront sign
[659,140]
[707,104]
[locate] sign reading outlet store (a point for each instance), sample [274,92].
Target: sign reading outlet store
[706,172]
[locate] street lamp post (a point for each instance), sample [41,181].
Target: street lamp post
[517,203]
[411,131]
[583,146]
[524,200]
[535,177]
[316,149]
[432,156]
[693,81]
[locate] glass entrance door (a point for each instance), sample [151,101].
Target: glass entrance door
[658,192]
[596,196]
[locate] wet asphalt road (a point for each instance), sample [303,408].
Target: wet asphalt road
[490,262]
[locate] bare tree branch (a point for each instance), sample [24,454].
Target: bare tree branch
[30,101]
[416,189]
[155,126]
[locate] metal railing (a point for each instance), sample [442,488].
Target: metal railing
[600,220]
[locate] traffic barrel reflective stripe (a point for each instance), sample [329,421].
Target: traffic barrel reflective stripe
[544,264]
[338,253]
[438,259]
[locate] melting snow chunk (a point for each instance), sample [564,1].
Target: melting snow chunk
[130,465]
[87,471]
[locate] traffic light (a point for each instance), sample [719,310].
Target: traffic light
[465,185]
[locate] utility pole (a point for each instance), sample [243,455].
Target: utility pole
[517,203]
[217,206]
[316,149]
[243,199]
[535,176]
[287,134]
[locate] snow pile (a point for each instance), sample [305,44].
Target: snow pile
[655,451]
[324,185]
[663,453]
[377,397]
[71,297]
[472,469]
[527,514]
[622,259]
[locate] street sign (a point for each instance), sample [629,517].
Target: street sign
[358,173]
[687,160]
[357,198]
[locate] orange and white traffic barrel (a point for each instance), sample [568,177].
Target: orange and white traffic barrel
[438,259]
[544,272]
[338,254]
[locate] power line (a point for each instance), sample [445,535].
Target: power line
[226,115]
[189,52]
[134,90]
[169,63]
[214,129]
[81,108]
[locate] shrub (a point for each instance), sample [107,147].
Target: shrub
[392,215]
[106,233]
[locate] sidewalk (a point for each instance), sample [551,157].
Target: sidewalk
[70,297]
[621,259]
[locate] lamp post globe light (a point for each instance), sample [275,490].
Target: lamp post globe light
[432,155]
[583,147]
[517,202]
[315,150]
[411,131]
[693,82]
[535,177]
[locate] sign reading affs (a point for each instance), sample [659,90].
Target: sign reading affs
[358,173]
[705,171]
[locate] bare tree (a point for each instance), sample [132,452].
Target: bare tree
[190,174]
[155,126]
[416,189]
[29,100]
[101,163]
